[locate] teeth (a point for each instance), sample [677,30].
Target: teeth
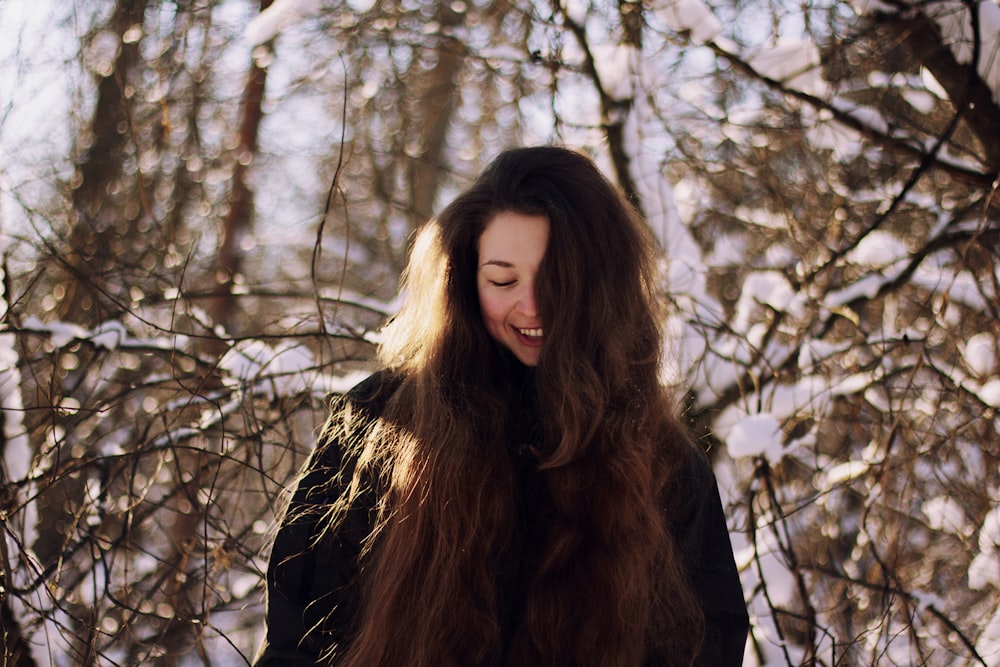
[531,333]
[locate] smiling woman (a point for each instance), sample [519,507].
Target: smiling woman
[514,487]
[510,251]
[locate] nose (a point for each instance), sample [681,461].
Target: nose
[527,305]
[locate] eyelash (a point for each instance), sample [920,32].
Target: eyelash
[502,284]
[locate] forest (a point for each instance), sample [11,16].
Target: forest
[205,206]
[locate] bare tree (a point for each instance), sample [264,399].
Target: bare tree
[208,252]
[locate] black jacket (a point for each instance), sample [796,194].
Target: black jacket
[311,601]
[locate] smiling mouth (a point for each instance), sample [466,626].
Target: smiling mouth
[535,334]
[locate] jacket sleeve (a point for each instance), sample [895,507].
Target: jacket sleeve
[708,556]
[312,571]
[309,575]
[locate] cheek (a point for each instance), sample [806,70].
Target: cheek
[494,312]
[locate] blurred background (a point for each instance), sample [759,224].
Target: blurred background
[205,206]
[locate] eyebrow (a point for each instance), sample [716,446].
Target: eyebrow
[497,262]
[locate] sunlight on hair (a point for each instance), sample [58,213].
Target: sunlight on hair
[424,281]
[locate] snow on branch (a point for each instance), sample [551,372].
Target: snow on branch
[689,16]
[281,15]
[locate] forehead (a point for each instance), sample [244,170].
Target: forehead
[514,239]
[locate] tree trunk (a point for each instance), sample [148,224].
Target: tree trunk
[439,89]
[103,188]
[239,216]
[183,588]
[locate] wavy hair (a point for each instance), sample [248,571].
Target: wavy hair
[604,585]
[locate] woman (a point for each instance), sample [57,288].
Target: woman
[514,487]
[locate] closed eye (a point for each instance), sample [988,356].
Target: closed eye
[507,283]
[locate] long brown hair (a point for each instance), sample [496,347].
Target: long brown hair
[605,585]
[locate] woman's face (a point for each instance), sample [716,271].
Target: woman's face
[511,248]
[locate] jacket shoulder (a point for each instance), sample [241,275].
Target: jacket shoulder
[372,392]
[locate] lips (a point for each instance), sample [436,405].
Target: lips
[530,337]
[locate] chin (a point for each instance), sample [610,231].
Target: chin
[528,360]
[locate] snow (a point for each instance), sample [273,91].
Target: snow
[692,16]
[946,514]
[961,288]
[100,54]
[576,11]
[761,217]
[863,7]
[756,435]
[984,571]
[728,250]
[284,369]
[932,84]
[843,473]
[953,20]
[878,249]
[989,532]
[244,361]
[956,29]
[871,118]
[616,66]
[16,465]
[980,354]
[243,585]
[293,368]
[501,52]
[810,395]
[718,343]
[793,62]
[921,100]
[813,352]
[109,335]
[988,645]
[989,57]
[833,136]
[782,256]
[60,333]
[781,587]
[854,383]
[865,287]
[361,6]
[989,393]
[686,274]
[768,288]
[281,15]
[16,450]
